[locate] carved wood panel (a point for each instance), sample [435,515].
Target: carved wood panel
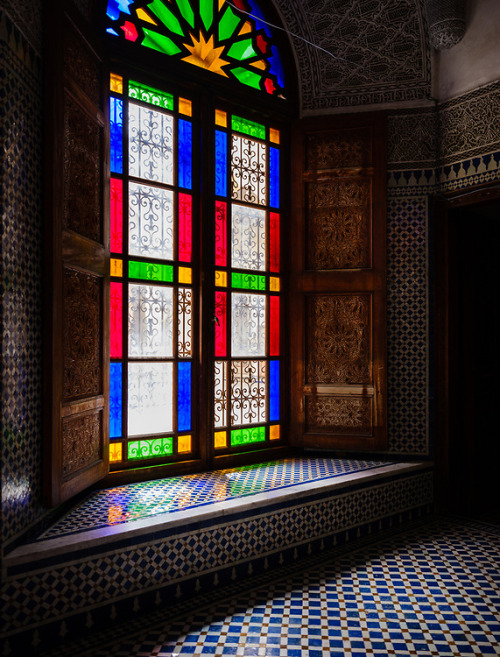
[81,66]
[339,415]
[347,148]
[82,442]
[339,224]
[82,334]
[338,339]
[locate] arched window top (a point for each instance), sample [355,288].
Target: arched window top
[227,38]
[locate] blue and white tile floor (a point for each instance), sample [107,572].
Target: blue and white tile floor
[430,589]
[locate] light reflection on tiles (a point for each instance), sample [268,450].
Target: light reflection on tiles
[145,499]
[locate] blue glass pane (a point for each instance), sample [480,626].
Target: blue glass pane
[185,153]
[116,120]
[116,6]
[220,163]
[274,177]
[257,13]
[274,391]
[115,400]
[184,397]
[276,66]
[110,30]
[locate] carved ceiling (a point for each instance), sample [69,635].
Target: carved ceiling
[379,51]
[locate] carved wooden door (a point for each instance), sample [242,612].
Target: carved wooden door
[77,262]
[338,283]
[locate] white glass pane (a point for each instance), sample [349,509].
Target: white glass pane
[248,324]
[150,321]
[151,222]
[248,392]
[248,238]
[248,170]
[151,140]
[220,394]
[150,400]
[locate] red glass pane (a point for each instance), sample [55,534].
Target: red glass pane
[116,215]
[274,326]
[274,242]
[185,227]
[130,31]
[220,234]
[116,295]
[220,323]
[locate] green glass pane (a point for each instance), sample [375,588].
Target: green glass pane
[159,42]
[166,17]
[249,78]
[246,436]
[242,50]
[228,24]
[248,281]
[150,95]
[207,13]
[150,272]
[148,449]
[186,11]
[248,127]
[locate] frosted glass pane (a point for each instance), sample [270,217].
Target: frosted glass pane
[248,170]
[150,401]
[151,222]
[248,238]
[150,321]
[248,324]
[151,144]
[248,392]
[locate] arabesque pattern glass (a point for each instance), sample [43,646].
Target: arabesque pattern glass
[220,394]
[248,170]
[151,144]
[249,392]
[248,325]
[150,321]
[151,221]
[248,238]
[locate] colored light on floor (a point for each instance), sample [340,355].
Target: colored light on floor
[220,439]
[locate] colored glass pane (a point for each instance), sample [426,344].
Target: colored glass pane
[220,234]
[130,31]
[221,278]
[116,134]
[185,227]
[151,144]
[166,17]
[248,281]
[185,107]
[274,242]
[248,238]
[150,321]
[185,275]
[220,163]
[248,325]
[150,95]
[248,127]
[116,6]
[274,432]
[207,13]
[115,453]
[151,221]
[116,83]
[247,436]
[184,444]
[115,267]
[148,449]
[144,16]
[221,118]
[186,11]
[184,150]
[274,390]
[274,284]
[184,397]
[220,394]
[115,400]
[220,323]
[116,312]
[184,322]
[116,210]
[220,439]
[150,401]
[274,177]
[228,24]
[274,135]
[159,42]
[151,271]
[274,325]
[242,49]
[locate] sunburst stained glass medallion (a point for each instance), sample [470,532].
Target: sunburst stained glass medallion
[228,38]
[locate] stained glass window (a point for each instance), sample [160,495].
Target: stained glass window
[229,39]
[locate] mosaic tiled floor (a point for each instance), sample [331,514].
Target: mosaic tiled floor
[142,500]
[432,589]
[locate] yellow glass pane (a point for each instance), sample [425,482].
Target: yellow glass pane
[115,452]
[221,278]
[220,439]
[274,432]
[185,107]
[221,118]
[184,444]
[185,275]
[115,514]
[274,284]
[274,135]
[221,4]
[116,83]
[116,267]
[246,28]
[145,16]
[261,64]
